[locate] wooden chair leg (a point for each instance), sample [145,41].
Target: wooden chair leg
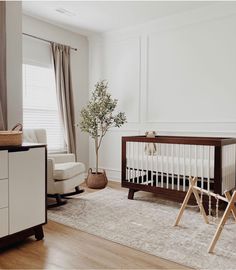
[222,222]
[59,200]
[77,191]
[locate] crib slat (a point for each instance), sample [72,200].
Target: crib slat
[178,166]
[138,159]
[227,172]
[233,164]
[157,165]
[196,159]
[133,163]
[227,160]
[161,148]
[147,179]
[202,166]
[184,168]
[172,164]
[190,161]
[142,149]
[208,168]
[167,166]
[128,164]
[152,153]
[230,164]
[223,167]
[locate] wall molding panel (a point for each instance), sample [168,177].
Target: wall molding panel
[188,76]
[122,69]
[175,75]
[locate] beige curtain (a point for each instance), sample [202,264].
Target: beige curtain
[2,122]
[61,59]
[3,86]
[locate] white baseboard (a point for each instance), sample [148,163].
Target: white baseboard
[113,175]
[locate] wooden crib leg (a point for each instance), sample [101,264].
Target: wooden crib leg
[222,222]
[131,193]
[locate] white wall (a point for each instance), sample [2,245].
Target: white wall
[175,75]
[14,62]
[79,68]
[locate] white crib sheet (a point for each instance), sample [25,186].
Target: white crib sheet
[173,165]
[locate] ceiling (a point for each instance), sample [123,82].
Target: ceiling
[103,16]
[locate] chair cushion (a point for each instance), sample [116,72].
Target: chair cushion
[63,171]
[37,135]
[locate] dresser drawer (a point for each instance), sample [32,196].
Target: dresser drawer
[3,164]
[3,222]
[27,189]
[3,193]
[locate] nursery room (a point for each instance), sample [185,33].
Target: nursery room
[117,135]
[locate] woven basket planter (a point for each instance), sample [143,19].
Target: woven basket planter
[96,180]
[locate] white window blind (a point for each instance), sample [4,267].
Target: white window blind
[40,108]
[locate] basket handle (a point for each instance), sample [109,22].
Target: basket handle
[90,171]
[17,127]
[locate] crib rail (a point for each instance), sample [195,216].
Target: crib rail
[168,162]
[228,167]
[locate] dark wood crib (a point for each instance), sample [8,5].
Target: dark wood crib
[163,164]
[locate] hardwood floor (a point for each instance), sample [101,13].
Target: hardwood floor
[66,248]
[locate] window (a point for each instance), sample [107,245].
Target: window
[40,108]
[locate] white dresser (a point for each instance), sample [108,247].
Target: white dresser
[22,192]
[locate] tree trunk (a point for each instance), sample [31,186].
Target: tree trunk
[96,151]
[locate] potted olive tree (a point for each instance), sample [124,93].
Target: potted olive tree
[96,119]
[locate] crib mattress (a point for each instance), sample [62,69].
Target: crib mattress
[173,165]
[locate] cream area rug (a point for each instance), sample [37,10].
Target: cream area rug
[146,224]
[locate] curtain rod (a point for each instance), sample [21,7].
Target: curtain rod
[45,40]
